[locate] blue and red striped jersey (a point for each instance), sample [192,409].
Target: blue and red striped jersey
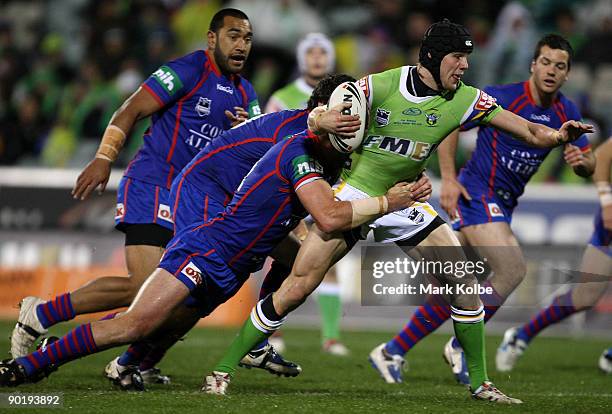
[265,207]
[194,95]
[503,163]
[230,157]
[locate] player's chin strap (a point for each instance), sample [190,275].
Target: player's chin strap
[111,144]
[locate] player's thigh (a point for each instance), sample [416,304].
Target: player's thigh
[141,261]
[318,253]
[497,243]
[596,269]
[156,300]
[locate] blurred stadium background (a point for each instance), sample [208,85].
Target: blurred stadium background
[66,65]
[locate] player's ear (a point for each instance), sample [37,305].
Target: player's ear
[212,39]
[531,66]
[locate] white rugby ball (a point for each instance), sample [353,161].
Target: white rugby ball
[349,92]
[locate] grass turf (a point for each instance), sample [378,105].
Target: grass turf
[555,375]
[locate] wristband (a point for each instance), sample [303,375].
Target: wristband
[111,144]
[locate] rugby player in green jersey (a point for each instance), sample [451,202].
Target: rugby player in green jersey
[412,109]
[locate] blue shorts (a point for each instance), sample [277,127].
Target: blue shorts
[601,237]
[142,203]
[481,209]
[191,260]
[191,205]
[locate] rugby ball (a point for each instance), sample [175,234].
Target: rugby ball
[349,92]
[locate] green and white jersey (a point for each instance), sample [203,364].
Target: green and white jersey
[293,96]
[404,129]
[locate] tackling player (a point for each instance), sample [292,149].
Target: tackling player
[190,101]
[412,109]
[203,189]
[596,268]
[316,58]
[206,264]
[481,200]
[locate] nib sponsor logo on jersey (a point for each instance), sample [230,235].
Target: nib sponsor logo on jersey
[119,211]
[494,210]
[382,117]
[163,212]
[418,151]
[193,273]
[168,79]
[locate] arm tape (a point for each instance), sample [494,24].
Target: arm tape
[111,144]
[367,209]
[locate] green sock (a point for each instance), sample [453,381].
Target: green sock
[331,311]
[472,340]
[247,338]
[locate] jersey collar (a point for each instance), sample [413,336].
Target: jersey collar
[404,91]
[212,64]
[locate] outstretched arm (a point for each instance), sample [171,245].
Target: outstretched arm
[601,177]
[451,189]
[96,174]
[539,135]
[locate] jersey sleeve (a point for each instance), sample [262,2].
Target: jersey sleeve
[482,109]
[174,79]
[574,114]
[253,107]
[298,166]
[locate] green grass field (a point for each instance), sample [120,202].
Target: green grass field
[555,375]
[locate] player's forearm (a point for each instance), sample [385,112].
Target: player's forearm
[603,156]
[345,215]
[587,168]
[446,156]
[541,136]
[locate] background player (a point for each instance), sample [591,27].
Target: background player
[316,58]
[210,262]
[191,100]
[596,269]
[490,185]
[434,92]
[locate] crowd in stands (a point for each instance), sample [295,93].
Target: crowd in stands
[66,65]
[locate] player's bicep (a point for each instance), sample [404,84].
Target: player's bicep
[143,103]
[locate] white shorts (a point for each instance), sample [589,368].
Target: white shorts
[392,227]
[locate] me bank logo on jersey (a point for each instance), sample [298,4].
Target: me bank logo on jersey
[163,212]
[168,79]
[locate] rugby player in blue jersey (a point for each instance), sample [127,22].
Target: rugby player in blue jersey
[480,201]
[190,100]
[205,186]
[205,264]
[596,273]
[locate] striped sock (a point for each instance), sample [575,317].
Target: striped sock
[135,353]
[77,343]
[274,278]
[56,310]
[560,308]
[491,302]
[426,319]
